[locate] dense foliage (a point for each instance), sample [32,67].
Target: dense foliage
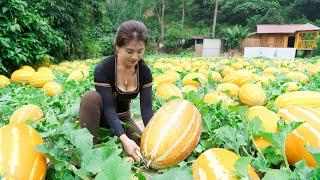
[25,36]
[31,30]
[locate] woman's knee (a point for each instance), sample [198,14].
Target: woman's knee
[91,98]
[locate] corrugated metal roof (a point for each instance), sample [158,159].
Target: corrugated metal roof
[285,28]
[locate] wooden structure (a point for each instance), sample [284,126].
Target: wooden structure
[299,36]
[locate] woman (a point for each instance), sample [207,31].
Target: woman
[119,79]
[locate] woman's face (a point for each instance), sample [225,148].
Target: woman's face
[131,53]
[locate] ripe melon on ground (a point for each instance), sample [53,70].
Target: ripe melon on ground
[307,134]
[252,95]
[239,77]
[172,134]
[304,98]
[217,163]
[26,112]
[18,156]
[22,76]
[4,81]
[269,121]
[52,88]
[39,79]
[167,90]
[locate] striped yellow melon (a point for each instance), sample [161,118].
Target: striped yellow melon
[4,81]
[238,77]
[214,97]
[216,164]
[172,134]
[194,79]
[304,98]
[41,78]
[176,68]
[204,71]
[224,61]
[28,68]
[252,95]
[229,88]
[158,65]
[201,70]
[164,79]
[76,75]
[26,112]
[271,70]
[299,76]
[45,69]
[269,121]
[167,90]
[167,76]
[65,63]
[85,72]
[306,134]
[265,80]
[188,88]
[22,76]
[284,70]
[52,88]
[53,66]
[291,86]
[18,157]
[82,66]
[227,70]
[313,70]
[215,76]
[63,69]
[270,76]
[237,65]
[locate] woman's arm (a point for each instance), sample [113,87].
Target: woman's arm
[146,104]
[110,114]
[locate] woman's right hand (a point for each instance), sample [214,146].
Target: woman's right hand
[130,147]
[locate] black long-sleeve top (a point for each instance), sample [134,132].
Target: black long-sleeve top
[117,101]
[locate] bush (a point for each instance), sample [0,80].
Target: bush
[172,38]
[25,37]
[300,54]
[316,51]
[234,36]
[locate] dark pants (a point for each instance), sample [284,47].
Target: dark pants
[91,117]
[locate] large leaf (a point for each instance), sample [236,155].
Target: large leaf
[178,173]
[93,160]
[276,174]
[114,168]
[82,139]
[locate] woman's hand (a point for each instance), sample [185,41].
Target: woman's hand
[130,147]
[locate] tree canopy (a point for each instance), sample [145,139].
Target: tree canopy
[86,28]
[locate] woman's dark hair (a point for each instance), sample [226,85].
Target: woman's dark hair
[131,30]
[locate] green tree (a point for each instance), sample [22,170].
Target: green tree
[234,37]
[75,19]
[308,8]
[316,51]
[26,38]
[239,11]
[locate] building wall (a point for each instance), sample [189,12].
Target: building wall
[267,40]
[251,42]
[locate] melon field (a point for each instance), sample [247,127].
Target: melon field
[260,119]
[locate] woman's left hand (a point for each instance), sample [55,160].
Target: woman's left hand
[130,147]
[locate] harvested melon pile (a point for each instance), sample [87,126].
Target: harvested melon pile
[215,118]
